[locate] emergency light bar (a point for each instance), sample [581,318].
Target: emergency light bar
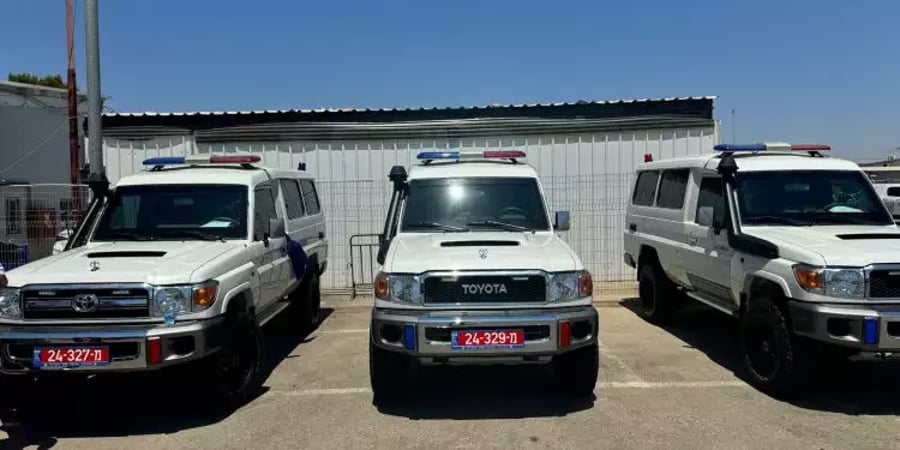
[771,146]
[201,159]
[457,156]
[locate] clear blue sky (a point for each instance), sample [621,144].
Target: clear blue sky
[813,71]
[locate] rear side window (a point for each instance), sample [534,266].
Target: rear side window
[292,200]
[263,210]
[645,188]
[893,191]
[672,188]
[310,197]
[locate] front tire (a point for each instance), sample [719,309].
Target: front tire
[389,374]
[306,301]
[775,359]
[577,371]
[236,370]
[657,294]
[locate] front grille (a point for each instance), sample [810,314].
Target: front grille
[112,303]
[884,284]
[532,332]
[485,289]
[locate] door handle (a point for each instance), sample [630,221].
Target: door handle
[632,227]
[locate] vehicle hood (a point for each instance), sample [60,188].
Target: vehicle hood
[156,262]
[423,252]
[843,245]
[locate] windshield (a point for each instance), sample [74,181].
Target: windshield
[809,198]
[175,212]
[464,204]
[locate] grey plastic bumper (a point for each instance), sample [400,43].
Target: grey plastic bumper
[432,331]
[128,344]
[846,325]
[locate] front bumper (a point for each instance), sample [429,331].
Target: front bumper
[128,345]
[426,334]
[867,328]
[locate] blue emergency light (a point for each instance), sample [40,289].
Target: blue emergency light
[486,154]
[201,159]
[770,146]
[870,330]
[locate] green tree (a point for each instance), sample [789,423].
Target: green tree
[55,81]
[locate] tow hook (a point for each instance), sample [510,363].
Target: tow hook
[883,355]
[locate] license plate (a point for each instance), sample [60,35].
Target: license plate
[487,339]
[50,357]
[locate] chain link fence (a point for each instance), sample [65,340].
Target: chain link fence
[32,216]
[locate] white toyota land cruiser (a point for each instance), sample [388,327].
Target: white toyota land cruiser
[795,244]
[174,265]
[473,272]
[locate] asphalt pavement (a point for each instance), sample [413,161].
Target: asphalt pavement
[678,387]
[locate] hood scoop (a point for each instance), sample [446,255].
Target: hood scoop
[126,254]
[872,236]
[482,243]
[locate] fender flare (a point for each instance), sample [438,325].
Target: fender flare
[239,290]
[768,276]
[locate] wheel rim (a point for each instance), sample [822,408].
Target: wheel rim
[648,295]
[761,350]
[237,364]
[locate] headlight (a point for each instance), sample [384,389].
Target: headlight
[10,306]
[170,301]
[398,288]
[841,283]
[569,286]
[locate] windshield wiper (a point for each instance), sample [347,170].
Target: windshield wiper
[780,220]
[203,236]
[436,225]
[496,224]
[130,235]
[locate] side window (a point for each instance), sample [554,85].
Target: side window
[645,188]
[292,200]
[310,198]
[672,188]
[710,197]
[263,210]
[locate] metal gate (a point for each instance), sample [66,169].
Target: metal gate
[363,251]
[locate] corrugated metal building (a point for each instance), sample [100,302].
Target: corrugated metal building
[585,152]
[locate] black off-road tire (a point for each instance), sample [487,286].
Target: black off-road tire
[577,371]
[306,302]
[389,373]
[776,360]
[659,296]
[235,372]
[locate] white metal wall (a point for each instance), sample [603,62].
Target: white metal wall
[588,174]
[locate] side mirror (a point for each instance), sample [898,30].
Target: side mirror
[383,246]
[563,221]
[276,228]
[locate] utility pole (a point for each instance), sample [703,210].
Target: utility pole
[74,159]
[97,175]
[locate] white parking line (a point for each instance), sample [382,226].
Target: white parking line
[601,386]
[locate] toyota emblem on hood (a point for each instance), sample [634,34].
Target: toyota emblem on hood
[94,265]
[483,253]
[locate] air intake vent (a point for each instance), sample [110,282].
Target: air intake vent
[134,254]
[854,237]
[480,244]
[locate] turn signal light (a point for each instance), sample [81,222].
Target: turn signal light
[205,296]
[586,284]
[382,289]
[809,278]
